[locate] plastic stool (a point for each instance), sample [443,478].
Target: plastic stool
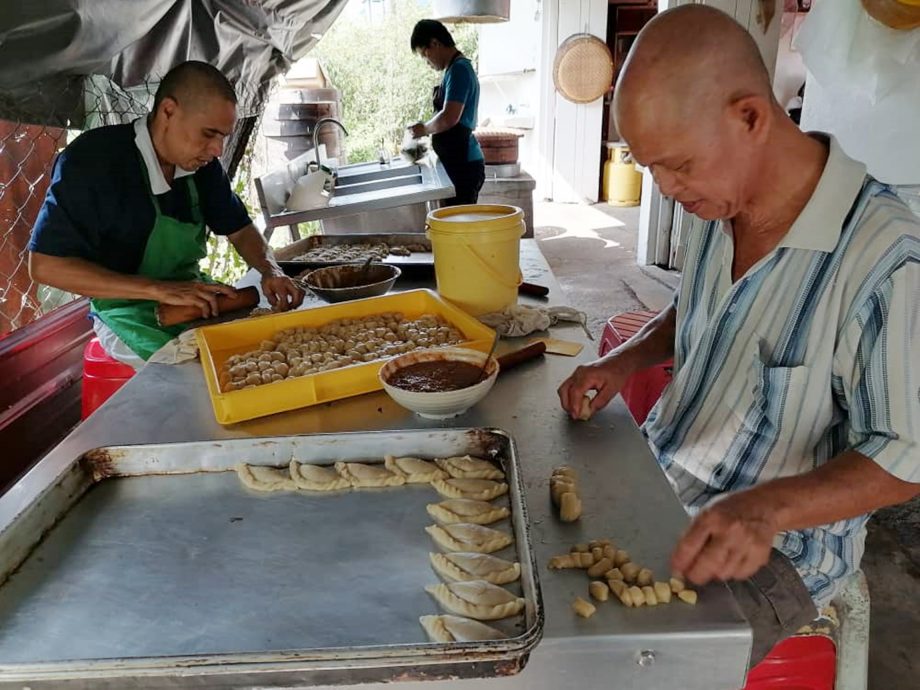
[102,376]
[641,390]
[801,662]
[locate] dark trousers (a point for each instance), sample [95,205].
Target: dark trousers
[468,178]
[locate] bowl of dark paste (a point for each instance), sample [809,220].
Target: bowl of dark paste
[439,383]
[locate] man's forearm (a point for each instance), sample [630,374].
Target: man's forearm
[845,487]
[653,344]
[255,250]
[88,279]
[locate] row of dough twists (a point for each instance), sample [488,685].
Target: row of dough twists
[456,477]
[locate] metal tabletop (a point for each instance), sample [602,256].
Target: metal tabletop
[626,497]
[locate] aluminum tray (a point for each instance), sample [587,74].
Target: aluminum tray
[415,263]
[153,566]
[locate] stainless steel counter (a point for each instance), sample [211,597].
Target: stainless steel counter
[626,497]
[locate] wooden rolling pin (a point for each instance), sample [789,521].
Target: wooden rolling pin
[525,354]
[174,314]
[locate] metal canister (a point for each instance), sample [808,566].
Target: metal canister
[622,181]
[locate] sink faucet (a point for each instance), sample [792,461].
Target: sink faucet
[316,128]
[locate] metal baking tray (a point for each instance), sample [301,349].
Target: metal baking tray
[414,263]
[152,566]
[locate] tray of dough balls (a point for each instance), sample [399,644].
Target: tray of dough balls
[343,558]
[256,367]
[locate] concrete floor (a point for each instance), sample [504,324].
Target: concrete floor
[592,252]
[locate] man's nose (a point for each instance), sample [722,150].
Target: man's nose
[216,147]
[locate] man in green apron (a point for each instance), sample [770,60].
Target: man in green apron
[126,216]
[455,102]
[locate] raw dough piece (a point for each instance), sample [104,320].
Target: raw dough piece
[465,566]
[468,467]
[316,478]
[447,628]
[584,412]
[645,578]
[600,567]
[620,589]
[414,470]
[622,558]
[571,560]
[614,574]
[456,510]
[636,596]
[363,476]
[261,478]
[663,592]
[569,507]
[687,596]
[677,585]
[630,572]
[649,594]
[467,537]
[477,599]
[478,489]
[599,591]
[583,608]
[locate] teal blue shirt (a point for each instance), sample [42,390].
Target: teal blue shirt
[460,85]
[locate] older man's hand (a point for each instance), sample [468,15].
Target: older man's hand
[730,540]
[418,130]
[606,376]
[282,292]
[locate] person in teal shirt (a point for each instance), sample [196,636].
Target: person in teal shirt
[456,104]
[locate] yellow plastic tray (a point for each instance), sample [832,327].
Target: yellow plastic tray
[217,343]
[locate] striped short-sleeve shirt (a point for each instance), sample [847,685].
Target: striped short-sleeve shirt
[814,351]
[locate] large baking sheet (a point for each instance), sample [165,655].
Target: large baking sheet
[160,561]
[417,262]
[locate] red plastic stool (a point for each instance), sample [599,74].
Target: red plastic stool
[803,662]
[642,389]
[102,376]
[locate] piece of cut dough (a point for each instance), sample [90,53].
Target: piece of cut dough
[464,566]
[468,467]
[477,599]
[315,478]
[466,510]
[414,470]
[477,489]
[261,478]
[468,537]
[447,628]
[363,476]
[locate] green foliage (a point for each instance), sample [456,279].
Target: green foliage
[384,85]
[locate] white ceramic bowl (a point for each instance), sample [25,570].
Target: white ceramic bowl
[449,403]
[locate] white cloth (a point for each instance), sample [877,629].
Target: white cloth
[158,183]
[114,346]
[520,319]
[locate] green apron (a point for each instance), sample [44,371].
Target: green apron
[173,252]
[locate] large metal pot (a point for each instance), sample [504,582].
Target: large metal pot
[472,11]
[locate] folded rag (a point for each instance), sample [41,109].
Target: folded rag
[520,319]
[182,348]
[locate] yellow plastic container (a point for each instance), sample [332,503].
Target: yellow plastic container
[622,181]
[217,343]
[477,253]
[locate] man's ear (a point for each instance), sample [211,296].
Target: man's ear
[168,107]
[753,114]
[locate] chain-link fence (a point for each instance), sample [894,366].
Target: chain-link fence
[27,154]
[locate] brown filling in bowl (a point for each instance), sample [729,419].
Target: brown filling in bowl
[436,377]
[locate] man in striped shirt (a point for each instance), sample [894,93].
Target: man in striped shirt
[795,406]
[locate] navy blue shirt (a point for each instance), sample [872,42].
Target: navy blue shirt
[98,206]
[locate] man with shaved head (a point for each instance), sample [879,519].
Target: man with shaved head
[794,411]
[126,216]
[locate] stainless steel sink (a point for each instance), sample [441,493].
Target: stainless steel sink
[368,197]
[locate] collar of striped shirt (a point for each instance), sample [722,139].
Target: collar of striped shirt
[804,357]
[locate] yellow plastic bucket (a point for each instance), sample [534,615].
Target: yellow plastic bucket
[477,252]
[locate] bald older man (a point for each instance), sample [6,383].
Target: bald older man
[794,411]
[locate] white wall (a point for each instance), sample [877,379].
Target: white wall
[509,59]
[790,70]
[571,149]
